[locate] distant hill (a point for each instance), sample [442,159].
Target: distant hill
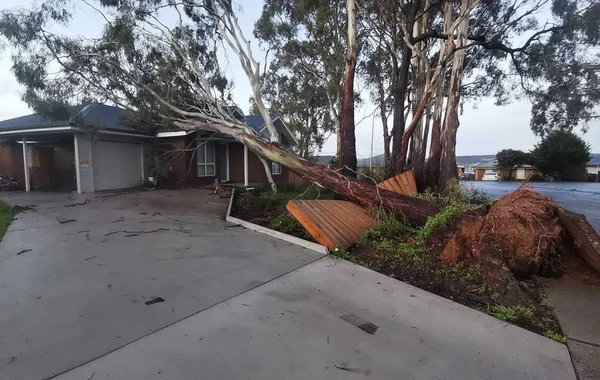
[464,161]
[322,160]
[460,160]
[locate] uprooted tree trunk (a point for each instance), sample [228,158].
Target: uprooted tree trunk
[414,210]
[585,240]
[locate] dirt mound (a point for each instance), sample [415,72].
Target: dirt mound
[521,232]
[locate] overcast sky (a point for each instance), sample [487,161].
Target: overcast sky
[484,129]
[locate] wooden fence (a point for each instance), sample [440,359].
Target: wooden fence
[296,180]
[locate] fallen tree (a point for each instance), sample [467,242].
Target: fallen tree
[582,235]
[413,210]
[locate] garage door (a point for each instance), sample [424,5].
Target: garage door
[116,165]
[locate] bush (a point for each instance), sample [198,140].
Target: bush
[287,224]
[387,226]
[441,219]
[456,194]
[562,154]
[512,313]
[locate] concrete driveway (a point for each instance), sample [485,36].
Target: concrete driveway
[237,305]
[80,292]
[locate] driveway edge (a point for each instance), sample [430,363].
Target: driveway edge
[276,234]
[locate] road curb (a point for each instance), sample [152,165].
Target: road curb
[276,234]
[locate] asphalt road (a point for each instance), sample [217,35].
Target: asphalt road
[580,197]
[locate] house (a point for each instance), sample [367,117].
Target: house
[468,163]
[68,155]
[206,156]
[521,173]
[592,168]
[94,150]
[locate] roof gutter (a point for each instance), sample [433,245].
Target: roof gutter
[125,134]
[175,133]
[36,130]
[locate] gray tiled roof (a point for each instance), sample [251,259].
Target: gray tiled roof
[108,117]
[595,161]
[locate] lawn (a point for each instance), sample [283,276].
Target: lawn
[6,215]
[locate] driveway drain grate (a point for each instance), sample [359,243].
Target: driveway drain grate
[154,300]
[362,324]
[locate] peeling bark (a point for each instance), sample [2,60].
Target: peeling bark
[448,169]
[346,135]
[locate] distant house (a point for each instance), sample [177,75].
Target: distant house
[466,164]
[592,168]
[521,173]
[43,154]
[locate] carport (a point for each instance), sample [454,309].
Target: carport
[90,151]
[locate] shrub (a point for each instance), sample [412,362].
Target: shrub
[289,225]
[387,226]
[441,219]
[511,313]
[456,194]
[560,338]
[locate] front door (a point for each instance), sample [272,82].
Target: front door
[223,161]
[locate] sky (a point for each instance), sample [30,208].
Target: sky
[484,127]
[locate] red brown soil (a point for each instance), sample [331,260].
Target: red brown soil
[521,231]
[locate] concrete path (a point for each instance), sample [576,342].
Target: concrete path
[300,326]
[577,309]
[80,292]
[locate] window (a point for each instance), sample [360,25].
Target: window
[275,168]
[206,159]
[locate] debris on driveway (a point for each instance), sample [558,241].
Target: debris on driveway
[137,232]
[18,209]
[78,204]
[64,221]
[23,251]
[155,300]
[361,323]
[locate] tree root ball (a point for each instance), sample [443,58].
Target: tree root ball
[521,232]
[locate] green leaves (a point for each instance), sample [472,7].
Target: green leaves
[510,159]
[563,154]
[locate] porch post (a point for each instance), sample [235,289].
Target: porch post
[245,165]
[77,169]
[25,166]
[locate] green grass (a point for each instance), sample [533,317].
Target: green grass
[441,219]
[560,338]
[343,254]
[6,215]
[511,313]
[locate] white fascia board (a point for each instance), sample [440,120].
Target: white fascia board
[175,133]
[36,130]
[125,134]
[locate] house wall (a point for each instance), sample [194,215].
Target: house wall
[83,160]
[64,167]
[41,172]
[11,163]
[593,169]
[256,171]
[6,161]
